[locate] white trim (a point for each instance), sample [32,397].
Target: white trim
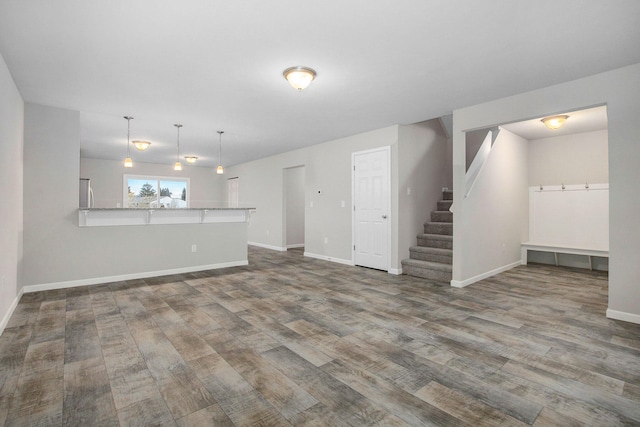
[474,279]
[143,275]
[263,245]
[296,245]
[396,271]
[12,308]
[328,258]
[621,315]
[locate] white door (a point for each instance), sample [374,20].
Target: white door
[371,202]
[232,192]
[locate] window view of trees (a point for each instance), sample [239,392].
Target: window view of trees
[156,192]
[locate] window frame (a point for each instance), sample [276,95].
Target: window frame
[157,179]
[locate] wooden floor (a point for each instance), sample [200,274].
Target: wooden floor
[296,341]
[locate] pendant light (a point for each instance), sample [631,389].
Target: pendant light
[128,163]
[178,165]
[220,169]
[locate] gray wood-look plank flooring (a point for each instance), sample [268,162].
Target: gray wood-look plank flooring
[289,340]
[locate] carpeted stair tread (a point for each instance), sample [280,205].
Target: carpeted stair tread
[442,216]
[427,249]
[425,253]
[435,241]
[426,264]
[444,205]
[445,228]
[432,258]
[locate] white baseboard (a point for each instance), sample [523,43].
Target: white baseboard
[621,315]
[10,311]
[328,258]
[474,279]
[396,271]
[143,275]
[273,248]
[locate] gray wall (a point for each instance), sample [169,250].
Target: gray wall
[495,213]
[11,136]
[620,91]
[328,170]
[418,160]
[57,251]
[294,205]
[422,173]
[570,159]
[106,181]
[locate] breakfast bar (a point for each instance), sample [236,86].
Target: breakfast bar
[94,217]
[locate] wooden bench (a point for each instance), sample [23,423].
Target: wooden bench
[557,249]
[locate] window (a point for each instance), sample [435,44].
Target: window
[155,192]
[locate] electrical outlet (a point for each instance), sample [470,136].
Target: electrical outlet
[408,191]
[194,248]
[311,204]
[342,204]
[326,240]
[267,232]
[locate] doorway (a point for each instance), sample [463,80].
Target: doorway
[233,192]
[293,209]
[371,208]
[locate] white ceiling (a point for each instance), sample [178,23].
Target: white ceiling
[587,120]
[217,65]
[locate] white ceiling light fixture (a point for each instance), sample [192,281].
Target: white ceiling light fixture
[299,77]
[220,169]
[128,163]
[178,166]
[555,122]
[141,145]
[191,159]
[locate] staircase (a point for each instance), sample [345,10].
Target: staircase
[432,258]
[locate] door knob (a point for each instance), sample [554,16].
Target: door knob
[384,217]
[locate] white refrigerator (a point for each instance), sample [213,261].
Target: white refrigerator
[86,193]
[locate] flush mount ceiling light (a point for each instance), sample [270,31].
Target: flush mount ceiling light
[128,163]
[299,77]
[555,122]
[178,166]
[141,145]
[191,159]
[220,169]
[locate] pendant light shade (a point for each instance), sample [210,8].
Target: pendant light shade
[299,77]
[220,169]
[128,163]
[178,166]
[191,159]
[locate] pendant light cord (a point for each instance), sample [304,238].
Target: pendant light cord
[128,135]
[178,153]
